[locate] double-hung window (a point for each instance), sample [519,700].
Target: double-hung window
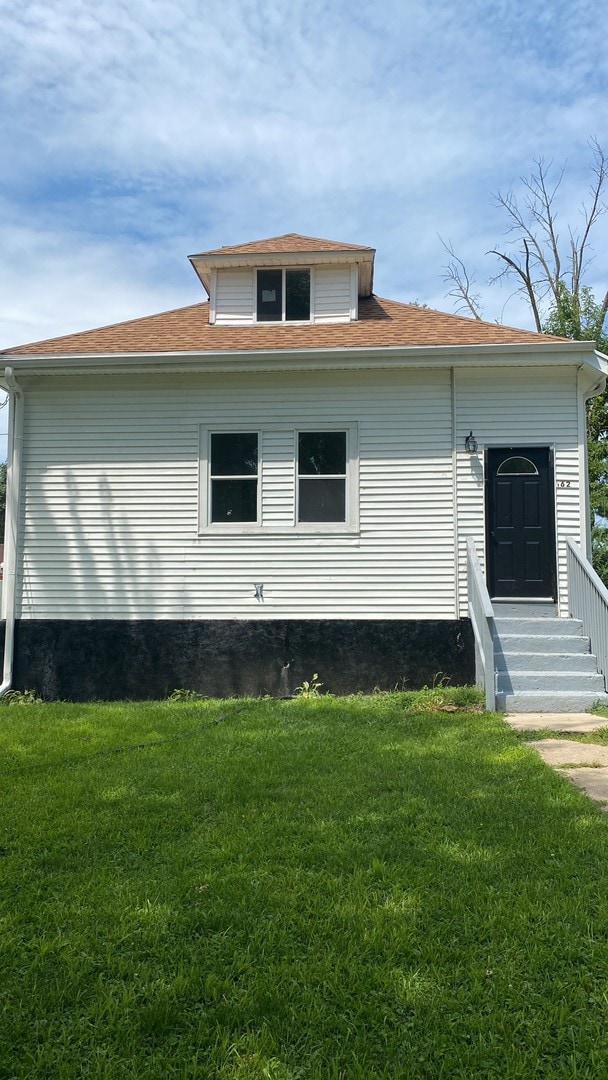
[280,479]
[283,295]
[322,475]
[233,477]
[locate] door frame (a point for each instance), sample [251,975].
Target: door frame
[530,444]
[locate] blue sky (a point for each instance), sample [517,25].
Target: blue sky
[136,133]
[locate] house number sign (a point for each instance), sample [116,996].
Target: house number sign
[563,483]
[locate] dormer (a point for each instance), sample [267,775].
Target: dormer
[289,279]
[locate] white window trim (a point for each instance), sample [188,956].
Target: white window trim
[282,321]
[205,483]
[349,527]
[351,524]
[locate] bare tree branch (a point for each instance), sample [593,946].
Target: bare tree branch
[533,225]
[540,205]
[549,270]
[524,274]
[523,231]
[456,275]
[600,171]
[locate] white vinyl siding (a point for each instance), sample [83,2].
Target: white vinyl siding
[110,509]
[332,300]
[234,296]
[277,478]
[517,407]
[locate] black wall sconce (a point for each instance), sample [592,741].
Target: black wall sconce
[470,443]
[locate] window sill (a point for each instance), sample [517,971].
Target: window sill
[282,322]
[281,530]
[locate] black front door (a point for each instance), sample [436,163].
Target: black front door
[520,517]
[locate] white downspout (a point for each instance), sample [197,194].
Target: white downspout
[11,533]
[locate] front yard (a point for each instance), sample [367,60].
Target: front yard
[333,888]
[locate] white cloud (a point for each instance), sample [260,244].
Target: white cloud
[68,282]
[136,134]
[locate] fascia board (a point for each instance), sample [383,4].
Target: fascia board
[284,258]
[397,356]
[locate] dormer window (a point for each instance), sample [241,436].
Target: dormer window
[285,279]
[283,296]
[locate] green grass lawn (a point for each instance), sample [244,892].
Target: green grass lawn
[333,888]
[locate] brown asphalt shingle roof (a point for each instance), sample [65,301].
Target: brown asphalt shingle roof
[381,323]
[288,242]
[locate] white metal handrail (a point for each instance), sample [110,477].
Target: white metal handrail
[588,601]
[482,620]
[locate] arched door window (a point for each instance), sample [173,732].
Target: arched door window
[517,466]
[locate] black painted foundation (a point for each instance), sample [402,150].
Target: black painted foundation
[84,660]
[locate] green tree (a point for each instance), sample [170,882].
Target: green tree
[582,318]
[549,272]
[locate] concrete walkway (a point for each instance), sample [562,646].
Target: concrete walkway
[577,723]
[585,764]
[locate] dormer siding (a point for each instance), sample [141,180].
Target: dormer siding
[335,294]
[234,296]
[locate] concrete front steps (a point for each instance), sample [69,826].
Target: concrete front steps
[544,664]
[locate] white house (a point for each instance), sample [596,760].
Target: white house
[284,479]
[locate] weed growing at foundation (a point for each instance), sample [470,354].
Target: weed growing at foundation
[310,688]
[20,697]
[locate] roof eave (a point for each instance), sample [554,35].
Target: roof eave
[393,356]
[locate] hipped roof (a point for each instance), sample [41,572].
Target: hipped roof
[381,323]
[292,248]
